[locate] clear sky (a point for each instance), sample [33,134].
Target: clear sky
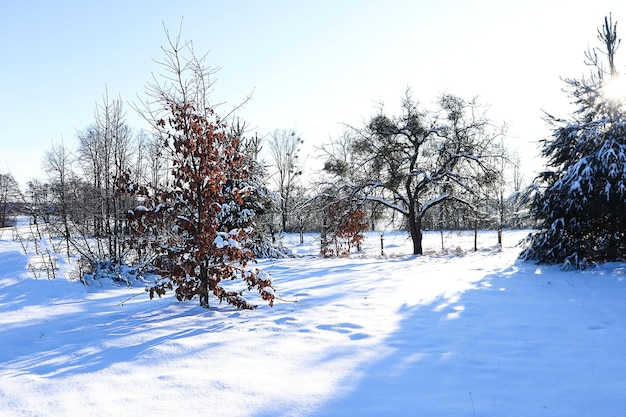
[311,65]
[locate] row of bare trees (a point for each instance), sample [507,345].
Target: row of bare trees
[420,170]
[80,194]
[423,169]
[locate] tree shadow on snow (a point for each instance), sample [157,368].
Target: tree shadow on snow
[51,334]
[440,361]
[518,343]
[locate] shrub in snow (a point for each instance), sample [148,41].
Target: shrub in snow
[344,224]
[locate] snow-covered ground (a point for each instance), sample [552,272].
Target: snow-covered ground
[457,334]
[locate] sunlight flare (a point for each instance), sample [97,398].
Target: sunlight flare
[615,89]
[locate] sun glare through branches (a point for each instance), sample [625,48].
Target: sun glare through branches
[615,89]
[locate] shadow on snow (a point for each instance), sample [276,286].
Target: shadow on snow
[518,343]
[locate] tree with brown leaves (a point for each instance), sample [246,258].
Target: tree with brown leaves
[194,230]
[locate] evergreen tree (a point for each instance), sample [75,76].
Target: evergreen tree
[580,200]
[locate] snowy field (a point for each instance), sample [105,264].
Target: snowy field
[459,333]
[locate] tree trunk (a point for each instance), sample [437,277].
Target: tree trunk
[3,211]
[204,287]
[442,242]
[476,237]
[204,270]
[415,228]
[284,219]
[501,222]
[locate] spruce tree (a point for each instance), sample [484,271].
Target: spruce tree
[580,199]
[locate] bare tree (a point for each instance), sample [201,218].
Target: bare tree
[106,151]
[420,160]
[284,147]
[58,162]
[152,162]
[39,199]
[9,196]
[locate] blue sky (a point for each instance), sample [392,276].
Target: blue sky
[311,65]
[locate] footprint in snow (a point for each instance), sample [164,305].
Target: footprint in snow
[345,328]
[284,320]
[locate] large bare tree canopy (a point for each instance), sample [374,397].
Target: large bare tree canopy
[421,159]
